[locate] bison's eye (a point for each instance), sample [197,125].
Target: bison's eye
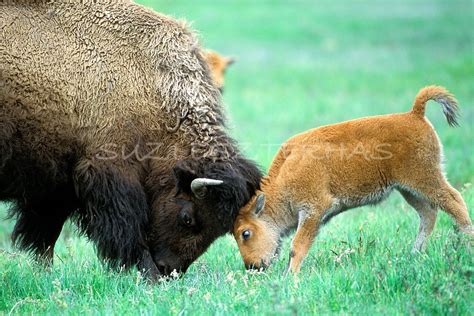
[246,234]
[186,219]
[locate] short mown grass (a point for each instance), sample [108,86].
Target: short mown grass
[301,64]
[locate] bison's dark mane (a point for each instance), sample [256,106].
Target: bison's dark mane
[109,221]
[240,176]
[105,205]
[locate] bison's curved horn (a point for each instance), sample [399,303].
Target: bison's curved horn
[199,186]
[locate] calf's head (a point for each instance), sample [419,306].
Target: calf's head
[198,205]
[256,234]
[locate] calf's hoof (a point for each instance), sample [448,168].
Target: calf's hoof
[468,230]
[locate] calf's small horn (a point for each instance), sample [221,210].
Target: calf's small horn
[199,186]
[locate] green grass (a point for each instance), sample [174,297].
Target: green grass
[301,64]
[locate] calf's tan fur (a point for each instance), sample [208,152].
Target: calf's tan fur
[327,170]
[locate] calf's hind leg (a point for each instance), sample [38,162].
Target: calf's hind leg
[428,214]
[451,201]
[440,193]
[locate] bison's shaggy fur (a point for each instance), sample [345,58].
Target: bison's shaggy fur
[100,102]
[328,170]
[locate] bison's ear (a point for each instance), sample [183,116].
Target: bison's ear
[183,175]
[188,182]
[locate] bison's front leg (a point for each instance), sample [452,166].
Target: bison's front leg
[148,266]
[115,212]
[38,227]
[40,221]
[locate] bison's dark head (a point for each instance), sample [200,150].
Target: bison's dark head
[196,207]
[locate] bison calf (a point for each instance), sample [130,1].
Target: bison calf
[328,170]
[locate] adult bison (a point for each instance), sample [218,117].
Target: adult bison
[109,117]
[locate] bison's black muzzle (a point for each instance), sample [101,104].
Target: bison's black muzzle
[169,270]
[169,264]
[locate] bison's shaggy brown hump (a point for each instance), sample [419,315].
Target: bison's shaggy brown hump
[105,65]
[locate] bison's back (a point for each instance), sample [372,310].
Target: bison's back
[67,70]
[99,66]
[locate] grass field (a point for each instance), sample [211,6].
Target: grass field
[301,64]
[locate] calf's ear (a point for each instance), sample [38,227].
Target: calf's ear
[259,203]
[229,61]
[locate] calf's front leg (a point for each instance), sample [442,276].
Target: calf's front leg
[308,225]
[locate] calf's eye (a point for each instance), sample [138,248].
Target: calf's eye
[246,234]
